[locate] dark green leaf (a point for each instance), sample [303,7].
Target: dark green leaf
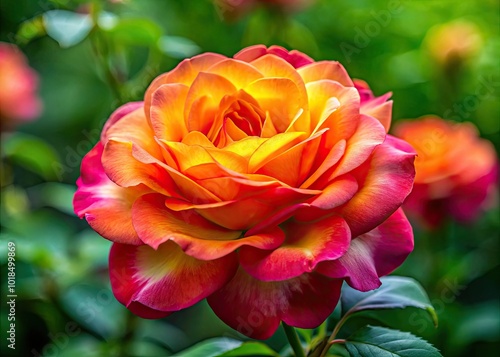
[384,342]
[395,293]
[66,27]
[211,348]
[33,154]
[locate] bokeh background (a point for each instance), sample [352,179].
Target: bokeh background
[437,57]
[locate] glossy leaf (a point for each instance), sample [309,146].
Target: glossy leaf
[211,348]
[384,342]
[251,349]
[33,154]
[395,293]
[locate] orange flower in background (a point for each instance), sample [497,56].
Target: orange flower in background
[18,85]
[260,182]
[456,169]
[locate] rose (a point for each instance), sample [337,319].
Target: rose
[259,182]
[456,170]
[18,85]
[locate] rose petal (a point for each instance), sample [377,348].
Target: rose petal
[373,254]
[167,112]
[184,73]
[306,245]
[258,307]
[125,170]
[385,181]
[156,224]
[165,279]
[105,205]
[295,58]
[332,70]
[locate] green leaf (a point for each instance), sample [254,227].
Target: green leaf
[32,153]
[211,348]
[178,47]
[251,349]
[384,342]
[134,31]
[30,29]
[66,27]
[395,293]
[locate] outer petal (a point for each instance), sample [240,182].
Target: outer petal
[125,170]
[105,205]
[377,107]
[295,58]
[167,112]
[117,115]
[184,73]
[306,245]
[134,128]
[373,254]
[166,279]
[326,70]
[385,181]
[257,307]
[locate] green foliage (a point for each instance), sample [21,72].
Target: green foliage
[383,342]
[395,293]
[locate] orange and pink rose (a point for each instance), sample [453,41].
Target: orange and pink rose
[456,170]
[259,182]
[18,86]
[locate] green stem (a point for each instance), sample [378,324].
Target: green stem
[331,339]
[294,340]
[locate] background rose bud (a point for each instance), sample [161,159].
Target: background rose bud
[456,169]
[18,85]
[259,182]
[453,42]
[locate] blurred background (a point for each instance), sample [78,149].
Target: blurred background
[436,57]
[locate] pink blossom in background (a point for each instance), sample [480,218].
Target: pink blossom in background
[19,101]
[456,170]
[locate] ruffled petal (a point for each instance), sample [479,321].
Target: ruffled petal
[184,73]
[326,70]
[166,279]
[156,224]
[373,254]
[307,244]
[239,73]
[385,181]
[167,112]
[258,307]
[105,205]
[125,170]
[295,58]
